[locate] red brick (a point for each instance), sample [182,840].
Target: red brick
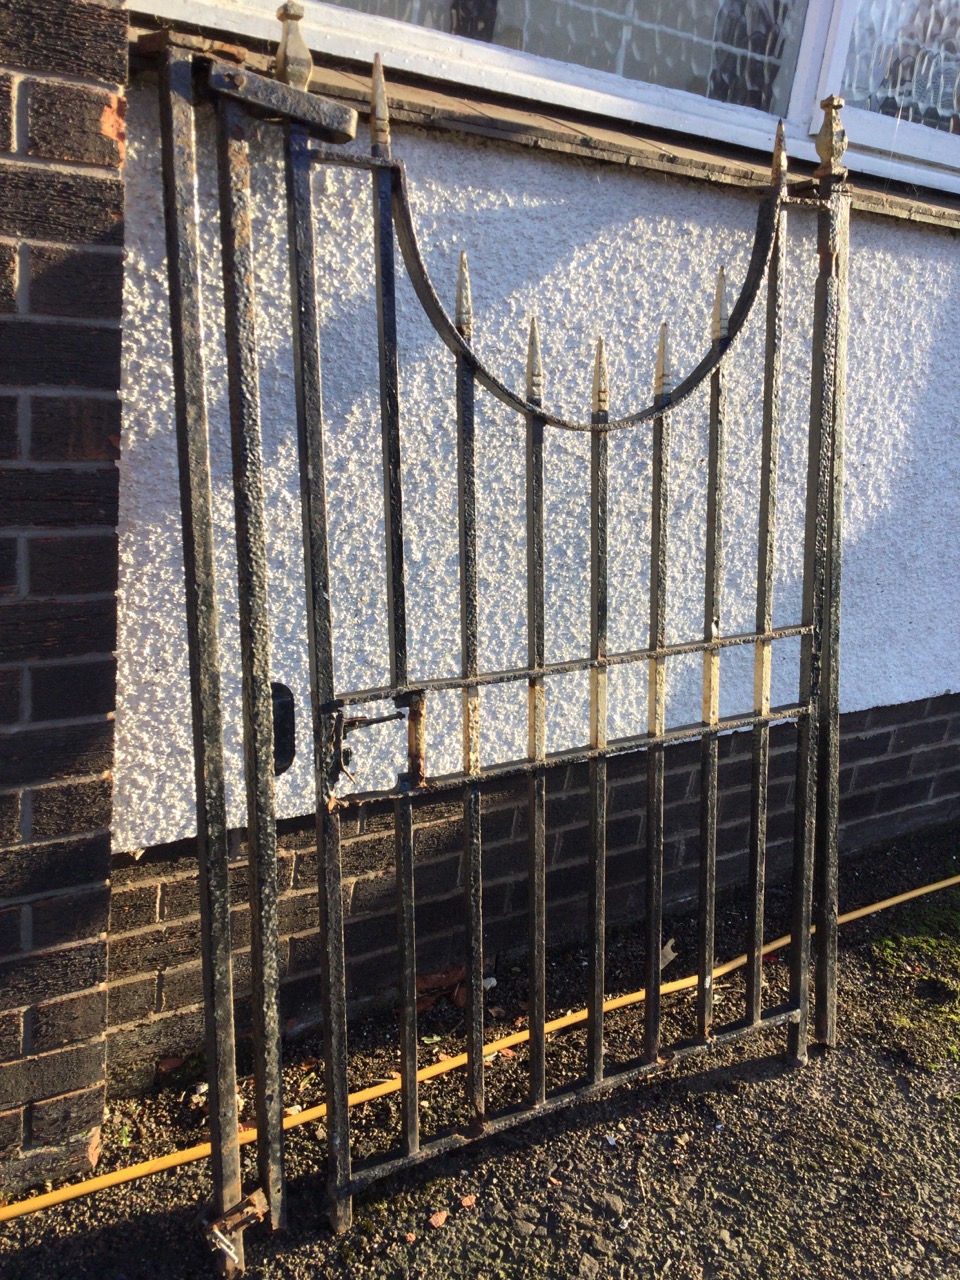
[68,429]
[74,122]
[72,566]
[76,283]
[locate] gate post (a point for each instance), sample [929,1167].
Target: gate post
[833,241]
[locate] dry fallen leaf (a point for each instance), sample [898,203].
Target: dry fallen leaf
[554,1182]
[507,1053]
[439,1218]
[468,1201]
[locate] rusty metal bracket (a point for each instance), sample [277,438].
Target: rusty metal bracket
[330,121]
[218,1231]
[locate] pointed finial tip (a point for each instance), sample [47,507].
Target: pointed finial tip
[464,316]
[779,166]
[663,379]
[720,313]
[601,382]
[534,363]
[379,114]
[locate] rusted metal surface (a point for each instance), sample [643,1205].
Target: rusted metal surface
[309,140]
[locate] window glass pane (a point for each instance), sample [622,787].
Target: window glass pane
[904,61]
[738,51]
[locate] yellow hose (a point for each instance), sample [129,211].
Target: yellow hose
[174,1159]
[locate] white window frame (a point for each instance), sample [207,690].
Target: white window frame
[880,146]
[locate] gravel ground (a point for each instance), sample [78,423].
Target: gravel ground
[731,1165]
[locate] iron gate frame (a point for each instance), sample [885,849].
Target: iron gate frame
[313,130]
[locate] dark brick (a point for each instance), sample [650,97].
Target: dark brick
[440,838]
[179,899]
[32,869]
[944,705]
[903,795]
[33,978]
[41,755]
[57,629]
[72,282]
[70,917]
[947,784]
[131,1001]
[9,695]
[72,566]
[183,986]
[305,952]
[6,113]
[59,498]
[58,1118]
[51,1074]
[9,427]
[11,1133]
[73,122]
[923,733]
[11,1035]
[133,908]
[433,880]
[8,273]
[9,931]
[8,567]
[368,853]
[74,807]
[88,39]
[935,760]
[868,747]
[878,773]
[160,948]
[38,354]
[70,1021]
[39,204]
[78,689]
[67,429]
[898,714]
[9,817]
[298,912]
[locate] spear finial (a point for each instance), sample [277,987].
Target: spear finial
[831,140]
[464,314]
[379,116]
[778,172]
[601,385]
[663,379]
[534,365]
[294,63]
[720,316]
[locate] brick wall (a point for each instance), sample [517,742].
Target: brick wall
[900,770]
[62,69]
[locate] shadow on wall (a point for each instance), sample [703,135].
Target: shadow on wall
[591,249]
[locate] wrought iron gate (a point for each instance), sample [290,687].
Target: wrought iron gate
[312,131]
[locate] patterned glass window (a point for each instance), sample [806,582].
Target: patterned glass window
[904,61]
[736,51]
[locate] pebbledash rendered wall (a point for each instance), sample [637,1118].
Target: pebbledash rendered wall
[592,248]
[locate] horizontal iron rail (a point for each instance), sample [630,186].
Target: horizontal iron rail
[581,755]
[572,1095]
[381,693]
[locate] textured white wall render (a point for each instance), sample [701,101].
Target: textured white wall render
[591,249]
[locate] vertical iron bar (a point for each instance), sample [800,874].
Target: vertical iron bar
[657,696]
[835,211]
[244,392]
[306,346]
[389,376]
[536,727]
[469,656]
[596,894]
[711,677]
[180,182]
[826,347]
[766,542]
[407,948]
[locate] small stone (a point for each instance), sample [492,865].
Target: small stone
[613,1203]
[589,1267]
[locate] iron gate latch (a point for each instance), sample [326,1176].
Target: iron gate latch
[218,1231]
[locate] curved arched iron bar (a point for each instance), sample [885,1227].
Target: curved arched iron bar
[763,243]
